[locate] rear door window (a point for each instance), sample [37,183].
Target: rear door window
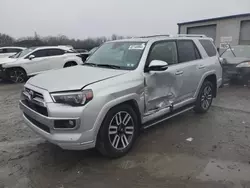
[209,47]
[55,52]
[187,51]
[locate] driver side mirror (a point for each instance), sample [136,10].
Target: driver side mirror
[157,65]
[31,57]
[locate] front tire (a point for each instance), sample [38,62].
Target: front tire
[118,131]
[205,97]
[17,75]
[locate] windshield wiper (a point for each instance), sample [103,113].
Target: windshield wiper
[90,64]
[108,66]
[102,65]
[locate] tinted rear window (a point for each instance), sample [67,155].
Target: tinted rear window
[187,51]
[209,47]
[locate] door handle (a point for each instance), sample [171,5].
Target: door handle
[178,72]
[201,66]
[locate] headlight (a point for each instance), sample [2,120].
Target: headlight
[73,98]
[245,64]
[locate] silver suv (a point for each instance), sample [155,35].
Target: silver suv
[125,86]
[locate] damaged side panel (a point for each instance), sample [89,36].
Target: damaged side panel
[161,90]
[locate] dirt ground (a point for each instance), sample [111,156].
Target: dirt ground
[218,155]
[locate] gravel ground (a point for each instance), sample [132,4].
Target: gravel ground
[218,155]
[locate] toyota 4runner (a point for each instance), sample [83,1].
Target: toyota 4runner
[125,86]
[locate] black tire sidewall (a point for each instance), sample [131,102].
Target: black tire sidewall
[103,142]
[198,107]
[17,69]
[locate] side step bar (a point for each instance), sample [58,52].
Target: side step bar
[167,116]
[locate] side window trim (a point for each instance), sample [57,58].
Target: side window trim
[157,42]
[195,49]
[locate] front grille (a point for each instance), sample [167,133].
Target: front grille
[36,94]
[40,109]
[38,124]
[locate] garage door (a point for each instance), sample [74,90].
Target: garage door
[245,33]
[208,30]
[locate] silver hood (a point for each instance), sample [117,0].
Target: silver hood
[73,78]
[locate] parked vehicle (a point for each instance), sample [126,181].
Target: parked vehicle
[125,86]
[236,64]
[9,51]
[81,50]
[85,55]
[35,60]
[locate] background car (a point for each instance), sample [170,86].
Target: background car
[9,51]
[86,54]
[236,64]
[35,60]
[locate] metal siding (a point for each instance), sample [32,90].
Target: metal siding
[208,30]
[245,32]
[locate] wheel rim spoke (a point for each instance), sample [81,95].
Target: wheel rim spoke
[116,141]
[202,97]
[118,118]
[209,97]
[124,140]
[129,130]
[113,129]
[126,119]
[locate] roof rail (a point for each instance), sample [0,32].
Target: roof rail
[190,35]
[150,36]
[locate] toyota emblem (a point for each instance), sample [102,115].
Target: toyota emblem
[31,93]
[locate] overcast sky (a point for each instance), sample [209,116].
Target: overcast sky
[90,18]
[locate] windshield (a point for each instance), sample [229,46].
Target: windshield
[93,50]
[23,53]
[239,51]
[125,55]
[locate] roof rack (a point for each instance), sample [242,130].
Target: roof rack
[150,36]
[190,35]
[178,35]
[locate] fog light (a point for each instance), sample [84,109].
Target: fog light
[64,124]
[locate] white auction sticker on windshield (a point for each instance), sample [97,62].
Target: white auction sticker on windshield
[137,47]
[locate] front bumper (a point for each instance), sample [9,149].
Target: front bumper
[2,73]
[240,75]
[66,139]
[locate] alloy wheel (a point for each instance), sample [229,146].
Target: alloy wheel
[206,97]
[121,130]
[17,76]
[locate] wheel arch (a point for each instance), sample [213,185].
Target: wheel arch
[16,67]
[213,79]
[210,76]
[130,100]
[69,61]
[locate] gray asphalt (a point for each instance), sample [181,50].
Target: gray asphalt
[217,156]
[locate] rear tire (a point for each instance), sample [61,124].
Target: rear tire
[205,97]
[118,131]
[17,75]
[70,64]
